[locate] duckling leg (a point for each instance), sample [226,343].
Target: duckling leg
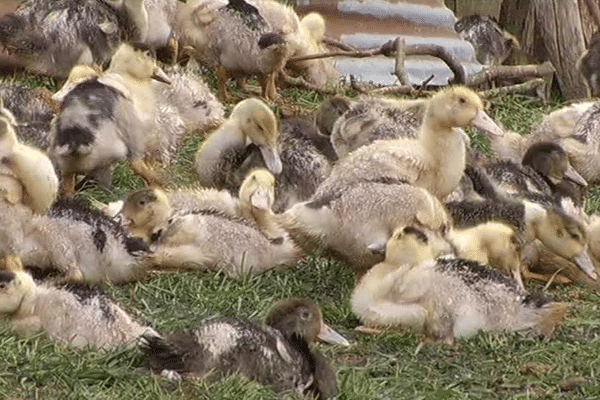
[12,263]
[67,184]
[149,175]
[222,76]
[544,278]
[173,50]
[267,84]
[516,273]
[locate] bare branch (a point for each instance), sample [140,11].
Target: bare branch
[537,84]
[299,82]
[399,65]
[338,44]
[511,72]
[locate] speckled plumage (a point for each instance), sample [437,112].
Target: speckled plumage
[491,45]
[53,36]
[72,316]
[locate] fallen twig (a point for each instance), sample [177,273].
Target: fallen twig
[511,72]
[537,84]
[299,82]
[338,44]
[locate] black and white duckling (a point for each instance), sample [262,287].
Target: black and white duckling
[280,353]
[50,37]
[492,44]
[27,175]
[435,161]
[110,118]
[251,122]
[79,243]
[304,160]
[235,40]
[73,316]
[78,74]
[446,298]
[350,221]
[33,110]
[559,232]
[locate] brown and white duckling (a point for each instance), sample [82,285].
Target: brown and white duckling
[223,151]
[53,36]
[280,353]
[435,161]
[349,222]
[446,298]
[235,39]
[73,316]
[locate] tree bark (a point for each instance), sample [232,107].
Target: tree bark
[553,32]
[512,16]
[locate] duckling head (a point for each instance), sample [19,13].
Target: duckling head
[301,319]
[408,245]
[14,287]
[458,107]
[137,64]
[146,209]
[259,125]
[258,190]
[552,162]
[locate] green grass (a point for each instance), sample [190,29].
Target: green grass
[389,366]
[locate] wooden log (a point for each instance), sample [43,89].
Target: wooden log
[589,10]
[553,33]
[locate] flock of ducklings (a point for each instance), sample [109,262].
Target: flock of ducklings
[441,237]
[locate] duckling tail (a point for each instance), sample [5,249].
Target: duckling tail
[550,317]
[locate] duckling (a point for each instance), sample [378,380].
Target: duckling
[33,110]
[586,65]
[162,15]
[372,118]
[28,176]
[78,74]
[145,210]
[52,37]
[73,316]
[349,222]
[305,164]
[110,118]
[251,121]
[79,243]
[446,298]
[328,113]
[435,161]
[562,234]
[280,354]
[235,39]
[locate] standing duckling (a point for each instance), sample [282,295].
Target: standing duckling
[280,354]
[235,40]
[446,298]
[72,316]
[435,161]
[250,122]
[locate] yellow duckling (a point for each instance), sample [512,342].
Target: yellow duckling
[250,122]
[235,39]
[435,161]
[446,298]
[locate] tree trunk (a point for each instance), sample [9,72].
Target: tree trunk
[553,32]
[512,16]
[589,21]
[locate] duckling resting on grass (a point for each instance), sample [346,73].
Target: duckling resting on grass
[435,161]
[280,354]
[446,298]
[73,316]
[235,39]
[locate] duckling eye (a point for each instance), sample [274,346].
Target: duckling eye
[2,285]
[305,314]
[142,202]
[575,236]
[462,100]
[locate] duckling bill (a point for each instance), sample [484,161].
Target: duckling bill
[280,354]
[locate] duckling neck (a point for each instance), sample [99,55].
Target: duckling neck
[434,135]
[229,136]
[265,221]
[535,215]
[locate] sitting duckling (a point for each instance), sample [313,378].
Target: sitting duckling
[53,36]
[78,74]
[435,161]
[280,354]
[235,40]
[328,113]
[251,121]
[110,118]
[446,298]
[350,222]
[80,243]
[73,316]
